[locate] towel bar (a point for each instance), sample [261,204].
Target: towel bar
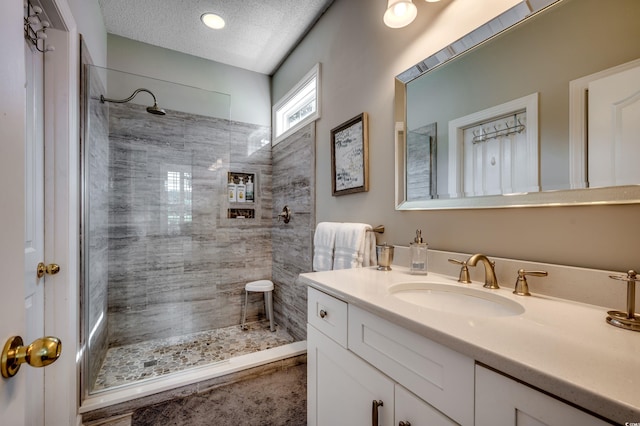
[378,229]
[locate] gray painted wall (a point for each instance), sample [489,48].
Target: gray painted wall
[360,58]
[88,18]
[250,96]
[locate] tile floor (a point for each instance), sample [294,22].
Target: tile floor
[127,364]
[276,399]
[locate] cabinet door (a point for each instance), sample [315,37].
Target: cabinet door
[414,411]
[342,387]
[434,373]
[501,401]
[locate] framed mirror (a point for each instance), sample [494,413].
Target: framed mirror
[508,115]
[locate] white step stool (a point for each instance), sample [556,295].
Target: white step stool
[263,286]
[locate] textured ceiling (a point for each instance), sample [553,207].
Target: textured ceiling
[258,35]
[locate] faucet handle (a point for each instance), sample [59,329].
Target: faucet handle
[522,288]
[627,320]
[464,271]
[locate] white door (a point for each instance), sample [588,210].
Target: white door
[34,226]
[22,194]
[12,150]
[614,129]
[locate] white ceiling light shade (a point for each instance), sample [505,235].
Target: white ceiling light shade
[212,20]
[399,13]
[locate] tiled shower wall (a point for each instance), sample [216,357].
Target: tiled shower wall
[177,264]
[95,255]
[293,186]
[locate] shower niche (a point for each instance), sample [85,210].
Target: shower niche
[241,190]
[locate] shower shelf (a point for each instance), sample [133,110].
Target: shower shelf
[241,213]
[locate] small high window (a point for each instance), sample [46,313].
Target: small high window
[298,107]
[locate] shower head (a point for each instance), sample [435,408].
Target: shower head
[152,109]
[156,110]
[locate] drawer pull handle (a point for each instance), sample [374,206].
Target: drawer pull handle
[374,412]
[402,423]
[323,313]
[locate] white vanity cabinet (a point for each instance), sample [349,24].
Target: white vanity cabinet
[344,385]
[342,388]
[356,358]
[501,400]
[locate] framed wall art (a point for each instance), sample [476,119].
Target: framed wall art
[350,156]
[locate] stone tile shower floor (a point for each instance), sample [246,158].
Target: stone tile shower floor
[130,363]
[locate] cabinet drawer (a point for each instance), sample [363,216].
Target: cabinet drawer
[328,314]
[438,375]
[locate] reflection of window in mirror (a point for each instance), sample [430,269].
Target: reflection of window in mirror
[495,151]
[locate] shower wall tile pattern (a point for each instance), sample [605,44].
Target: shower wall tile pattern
[293,185]
[177,264]
[96,144]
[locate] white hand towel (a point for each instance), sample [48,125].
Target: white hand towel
[350,245]
[370,257]
[323,246]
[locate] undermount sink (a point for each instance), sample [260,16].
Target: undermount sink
[456,299]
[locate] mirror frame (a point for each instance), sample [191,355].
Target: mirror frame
[629,194]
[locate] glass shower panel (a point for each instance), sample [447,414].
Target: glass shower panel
[153,193]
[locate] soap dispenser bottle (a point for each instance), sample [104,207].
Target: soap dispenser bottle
[231,189]
[249,190]
[418,254]
[240,189]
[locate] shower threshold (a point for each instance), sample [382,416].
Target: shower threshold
[124,365]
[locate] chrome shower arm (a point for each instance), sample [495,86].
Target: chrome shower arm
[133,95]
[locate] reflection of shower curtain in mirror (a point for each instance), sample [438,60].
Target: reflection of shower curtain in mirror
[495,157]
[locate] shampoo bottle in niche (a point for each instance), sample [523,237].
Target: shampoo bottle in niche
[249,190]
[231,189]
[418,254]
[240,190]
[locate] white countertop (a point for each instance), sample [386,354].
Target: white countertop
[562,347]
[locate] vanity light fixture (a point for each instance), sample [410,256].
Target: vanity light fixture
[212,20]
[401,13]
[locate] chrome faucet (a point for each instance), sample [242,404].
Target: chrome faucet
[490,280]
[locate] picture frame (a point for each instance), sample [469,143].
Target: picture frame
[350,156]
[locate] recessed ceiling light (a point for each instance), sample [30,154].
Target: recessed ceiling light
[212,20]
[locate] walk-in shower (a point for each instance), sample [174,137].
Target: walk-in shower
[164,263]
